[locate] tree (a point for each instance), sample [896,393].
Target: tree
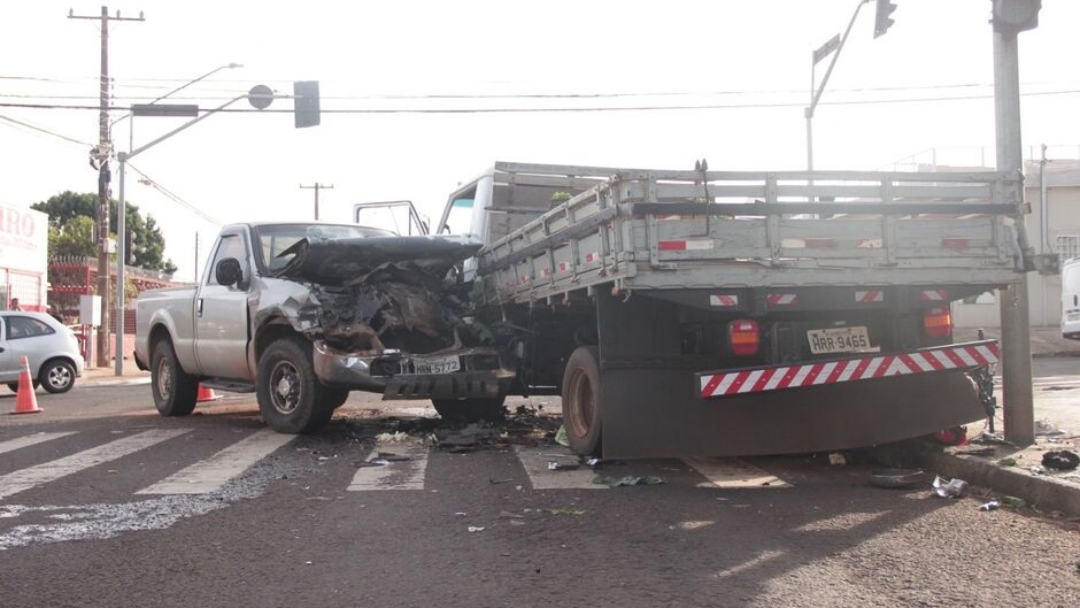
[68,212]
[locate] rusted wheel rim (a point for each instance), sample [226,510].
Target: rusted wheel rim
[164,379]
[285,388]
[582,403]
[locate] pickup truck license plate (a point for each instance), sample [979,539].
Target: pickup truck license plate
[437,365]
[838,340]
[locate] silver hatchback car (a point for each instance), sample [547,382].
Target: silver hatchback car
[52,349]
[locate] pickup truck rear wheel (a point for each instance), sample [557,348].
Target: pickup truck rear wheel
[581,400]
[471,410]
[291,398]
[175,392]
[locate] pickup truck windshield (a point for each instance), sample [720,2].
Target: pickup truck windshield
[276,238]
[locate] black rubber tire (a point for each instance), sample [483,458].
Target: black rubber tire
[581,401]
[57,376]
[175,391]
[471,410]
[336,397]
[306,405]
[14,386]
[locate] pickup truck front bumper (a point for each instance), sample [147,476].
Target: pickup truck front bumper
[480,372]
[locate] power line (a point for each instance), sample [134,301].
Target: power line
[45,131]
[175,198]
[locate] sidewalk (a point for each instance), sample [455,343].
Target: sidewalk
[106,376]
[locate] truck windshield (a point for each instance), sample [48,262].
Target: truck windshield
[276,238]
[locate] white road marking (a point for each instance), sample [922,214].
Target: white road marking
[22,442]
[28,478]
[734,473]
[535,461]
[389,473]
[210,474]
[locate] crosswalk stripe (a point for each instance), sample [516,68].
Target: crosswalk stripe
[21,442]
[535,461]
[210,474]
[391,473]
[31,477]
[734,473]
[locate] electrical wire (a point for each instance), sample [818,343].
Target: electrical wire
[45,131]
[176,199]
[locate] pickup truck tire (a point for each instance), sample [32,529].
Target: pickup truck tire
[471,410]
[175,392]
[291,398]
[581,400]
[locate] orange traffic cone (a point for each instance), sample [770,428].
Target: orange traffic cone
[25,400]
[206,394]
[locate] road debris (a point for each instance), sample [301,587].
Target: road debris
[837,458]
[971,451]
[629,480]
[561,437]
[1045,428]
[1007,462]
[1061,460]
[1014,502]
[993,505]
[467,439]
[555,465]
[476,528]
[567,511]
[951,489]
[896,478]
[397,437]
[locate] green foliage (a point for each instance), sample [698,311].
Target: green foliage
[70,213]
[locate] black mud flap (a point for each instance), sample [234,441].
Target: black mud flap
[657,413]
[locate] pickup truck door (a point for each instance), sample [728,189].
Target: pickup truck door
[221,314]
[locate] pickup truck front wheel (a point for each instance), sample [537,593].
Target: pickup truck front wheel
[291,398]
[175,392]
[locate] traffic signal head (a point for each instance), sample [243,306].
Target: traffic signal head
[306,103]
[882,19]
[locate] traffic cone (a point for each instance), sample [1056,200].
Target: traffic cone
[25,399]
[206,394]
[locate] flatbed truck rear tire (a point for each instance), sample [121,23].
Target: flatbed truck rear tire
[581,392]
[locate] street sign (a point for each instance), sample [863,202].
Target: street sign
[260,96]
[164,109]
[824,50]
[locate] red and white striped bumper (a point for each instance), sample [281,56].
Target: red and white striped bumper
[938,359]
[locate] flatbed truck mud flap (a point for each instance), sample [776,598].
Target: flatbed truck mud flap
[661,413]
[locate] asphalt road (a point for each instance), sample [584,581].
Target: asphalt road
[103,503]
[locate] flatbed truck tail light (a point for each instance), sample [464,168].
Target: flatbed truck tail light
[744,337]
[937,322]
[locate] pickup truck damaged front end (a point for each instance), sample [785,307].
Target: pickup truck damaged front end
[383,317]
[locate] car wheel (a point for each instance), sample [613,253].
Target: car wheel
[175,392]
[57,376]
[291,398]
[581,400]
[471,410]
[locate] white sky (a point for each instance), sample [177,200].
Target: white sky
[240,167]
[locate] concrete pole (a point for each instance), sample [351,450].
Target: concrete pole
[1018,400]
[121,261]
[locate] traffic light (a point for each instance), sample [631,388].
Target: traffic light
[882,19]
[1012,16]
[306,103]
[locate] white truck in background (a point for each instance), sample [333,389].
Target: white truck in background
[1070,299]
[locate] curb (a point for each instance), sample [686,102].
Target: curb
[1046,493]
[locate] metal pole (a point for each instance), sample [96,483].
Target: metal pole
[121,259]
[1019,411]
[1044,230]
[103,195]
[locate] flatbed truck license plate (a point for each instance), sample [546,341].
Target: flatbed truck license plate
[437,365]
[838,340]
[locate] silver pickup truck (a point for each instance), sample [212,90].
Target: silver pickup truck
[303,313]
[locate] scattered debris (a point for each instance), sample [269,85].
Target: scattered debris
[467,439]
[1037,470]
[1045,428]
[555,465]
[983,451]
[896,478]
[1007,462]
[476,528]
[461,514]
[567,511]
[509,515]
[397,437]
[1014,502]
[837,458]
[951,489]
[496,482]
[629,480]
[992,439]
[1061,460]
[561,438]
[592,463]
[993,505]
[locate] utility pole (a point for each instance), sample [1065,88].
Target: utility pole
[1010,17]
[317,186]
[103,152]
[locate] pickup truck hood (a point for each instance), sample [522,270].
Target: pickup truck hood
[349,261]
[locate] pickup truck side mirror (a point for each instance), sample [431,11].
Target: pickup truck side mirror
[228,272]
